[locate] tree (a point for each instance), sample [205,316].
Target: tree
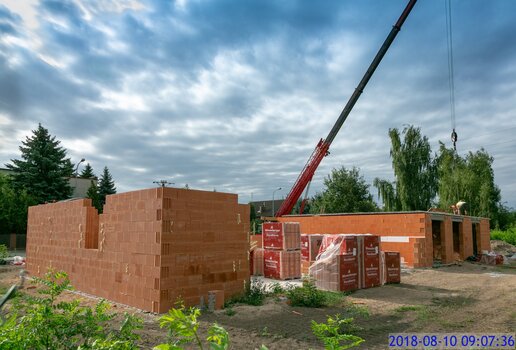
[43,170]
[87,172]
[469,178]
[106,186]
[93,194]
[415,172]
[346,191]
[387,192]
[13,208]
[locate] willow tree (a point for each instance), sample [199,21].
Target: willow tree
[469,178]
[415,172]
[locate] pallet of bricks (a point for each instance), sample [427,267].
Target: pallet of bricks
[256,255]
[281,250]
[348,262]
[310,246]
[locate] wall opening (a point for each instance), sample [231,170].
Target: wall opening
[475,231]
[456,237]
[437,229]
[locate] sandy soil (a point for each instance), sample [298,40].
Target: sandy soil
[459,298]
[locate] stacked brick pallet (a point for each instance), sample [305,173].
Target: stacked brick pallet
[310,246]
[281,254]
[149,248]
[390,269]
[256,255]
[347,262]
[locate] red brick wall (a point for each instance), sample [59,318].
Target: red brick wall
[413,227]
[148,248]
[405,226]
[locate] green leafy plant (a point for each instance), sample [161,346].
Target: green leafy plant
[41,322]
[335,333]
[229,311]
[183,326]
[276,288]
[308,295]
[255,294]
[4,253]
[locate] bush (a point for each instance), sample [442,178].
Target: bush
[508,236]
[4,253]
[308,295]
[255,295]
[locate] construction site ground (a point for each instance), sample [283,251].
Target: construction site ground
[459,298]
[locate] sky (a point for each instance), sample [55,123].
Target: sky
[233,96]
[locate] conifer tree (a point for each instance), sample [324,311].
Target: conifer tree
[87,172]
[106,186]
[43,168]
[93,194]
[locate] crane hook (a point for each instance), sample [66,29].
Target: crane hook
[454,138]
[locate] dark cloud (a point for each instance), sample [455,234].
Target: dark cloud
[235,95]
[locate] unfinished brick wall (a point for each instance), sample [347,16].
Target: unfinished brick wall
[409,233]
[148,248]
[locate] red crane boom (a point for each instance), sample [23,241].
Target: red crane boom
[322,148]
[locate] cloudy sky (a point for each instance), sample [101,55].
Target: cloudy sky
[234,95]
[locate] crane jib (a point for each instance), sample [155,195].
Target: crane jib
[323,146]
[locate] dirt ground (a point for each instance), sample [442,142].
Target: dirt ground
[461,298]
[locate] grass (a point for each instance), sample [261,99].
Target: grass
[406,308]
[452,301]
[423,312]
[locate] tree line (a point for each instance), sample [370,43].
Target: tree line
[41,175]
[422,180]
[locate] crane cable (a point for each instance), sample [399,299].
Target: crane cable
[451,82]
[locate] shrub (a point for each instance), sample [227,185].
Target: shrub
[255,294]
[308,295]
[508,236]
[4,253]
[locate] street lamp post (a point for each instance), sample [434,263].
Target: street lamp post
[273,192]
[74,174]
[77,167]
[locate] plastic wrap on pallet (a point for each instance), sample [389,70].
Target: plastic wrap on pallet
[336,268]
[310,245]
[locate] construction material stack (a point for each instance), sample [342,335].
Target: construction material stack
[282,250]
[256,255]
[347,262]
[390,267]
[310,245]
[369,260]
[336,267]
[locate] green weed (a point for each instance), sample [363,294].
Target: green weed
[42,323]
[406,308]
[336,333]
